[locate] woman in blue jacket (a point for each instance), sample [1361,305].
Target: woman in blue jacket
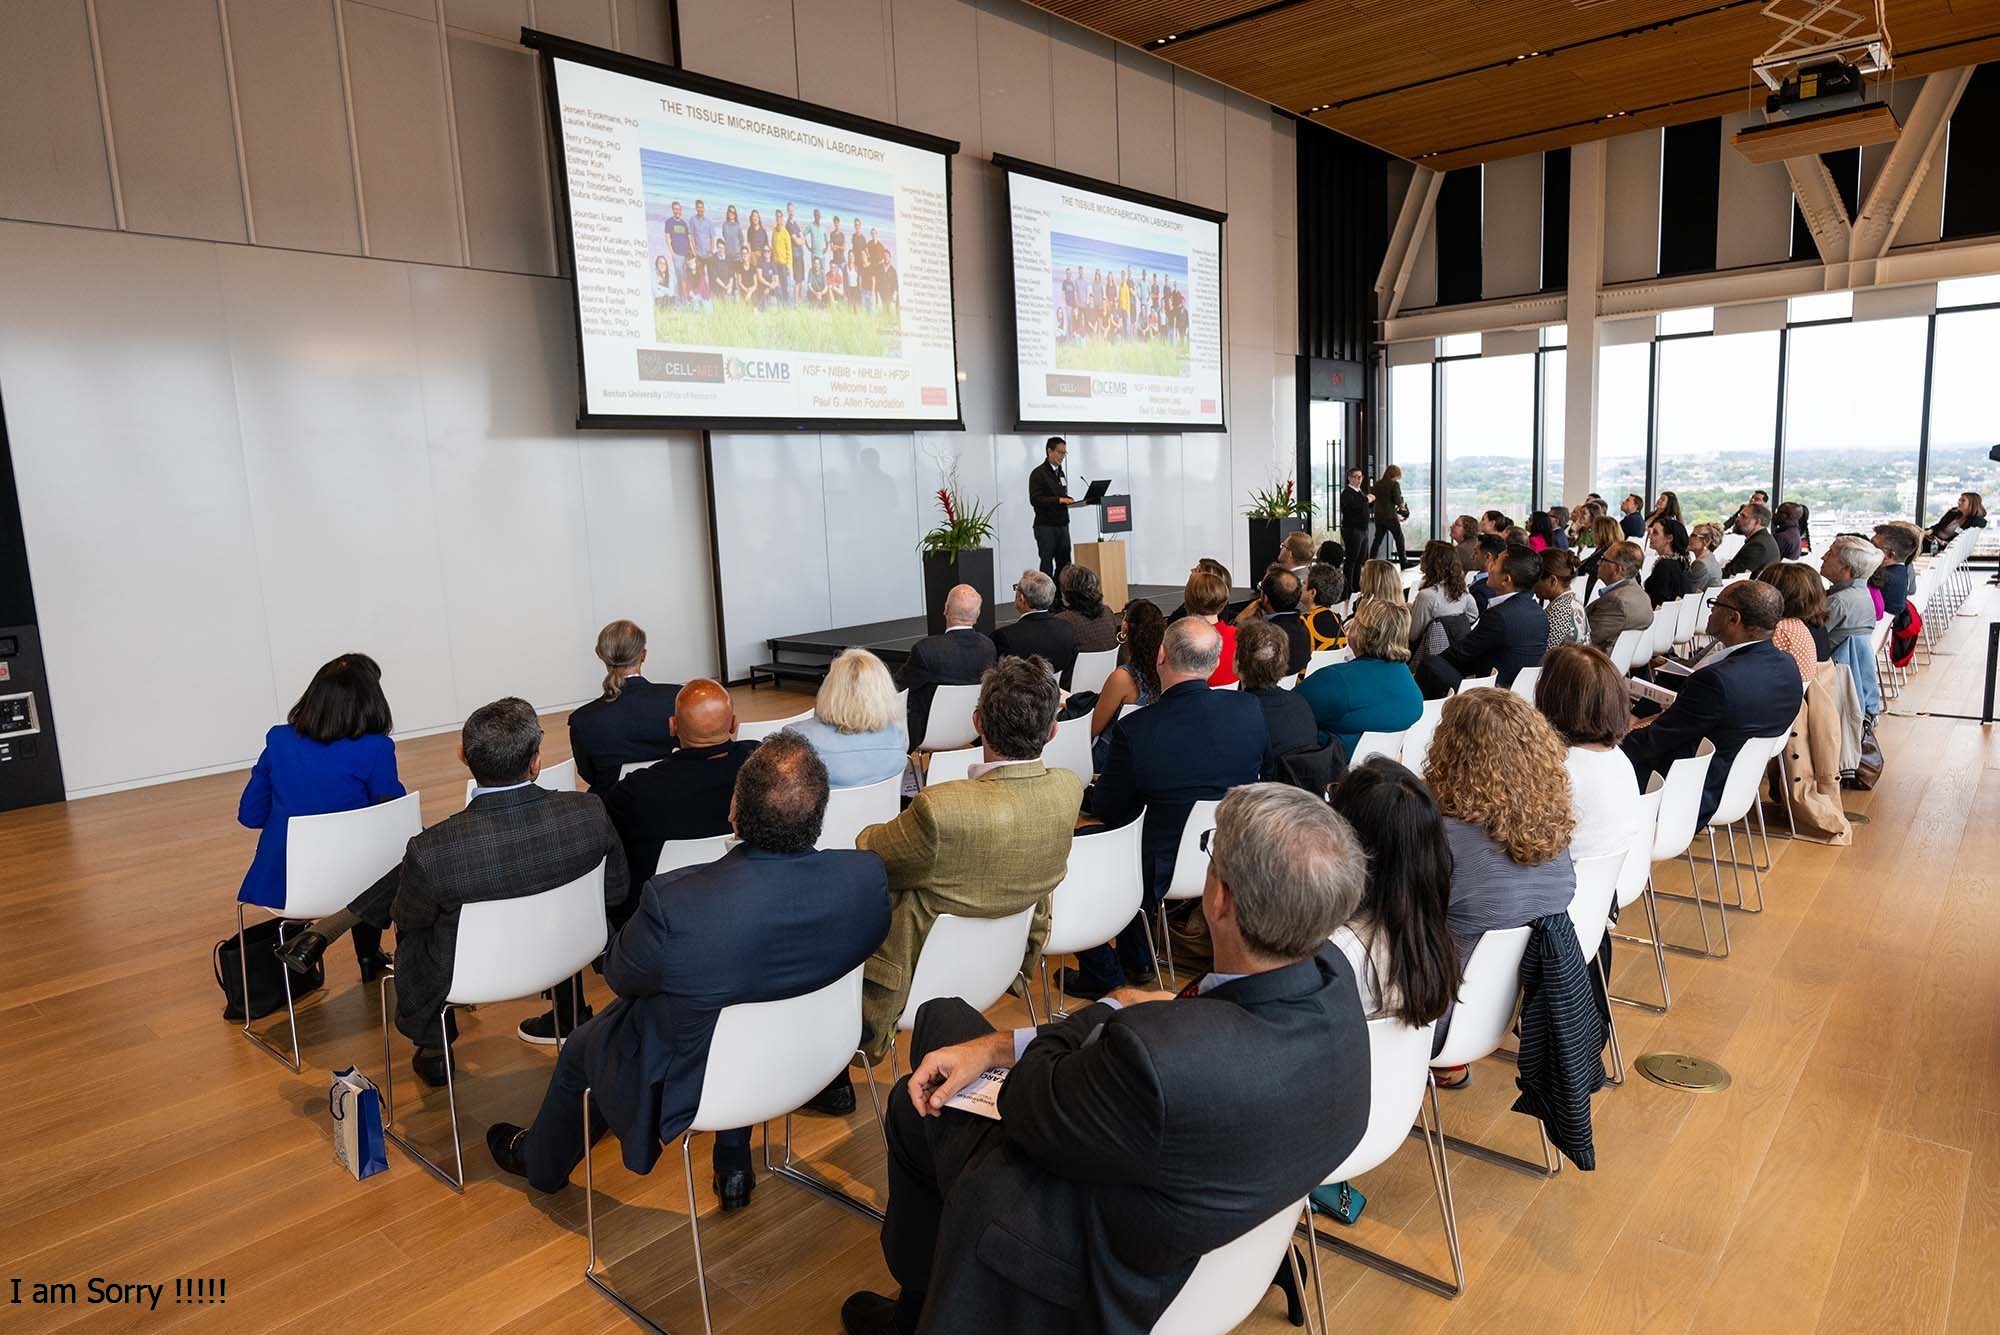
[332,753]
[1373,693]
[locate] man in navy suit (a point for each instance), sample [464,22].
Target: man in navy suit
[1194,744]
[1513,631]
[1491,548]
[959,657]
[1747,688]
[772,919]
[1039,631]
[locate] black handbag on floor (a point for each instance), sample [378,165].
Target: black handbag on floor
[267,973]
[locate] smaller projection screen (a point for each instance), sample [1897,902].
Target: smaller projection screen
[744,260]
[1117,306]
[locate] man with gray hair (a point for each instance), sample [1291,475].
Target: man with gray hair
[1847,565]
[1193,744]
[1039,631]
[957,657]
[1143,1131]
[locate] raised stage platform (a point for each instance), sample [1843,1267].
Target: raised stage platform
[804,657]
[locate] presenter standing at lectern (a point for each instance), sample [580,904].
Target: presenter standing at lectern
[1048,494]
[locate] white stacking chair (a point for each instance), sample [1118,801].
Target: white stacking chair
[1590,913]
[329,860]
[507,949]
[1388,744]
[627,771]
[767,1059]
[1100,893]
[1666,618]
[1229,1282]
[849,811]
[949,726]
[1092,670]
[1486,997]
[1327,658]
[758,731]
[974,959]
[1688,618]
[1478,683]
[557,778]
[1190,871]
[1417,740]
[946,766]
[1732,543]
[1739,797]
[1070,749]
[1634,883]
[1579,586]
[1228,686]
[678,853]
[1625,650]
[1679,822]
[903,704]
[1399,1079]
[1524,682]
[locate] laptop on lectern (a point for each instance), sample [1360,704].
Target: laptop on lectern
[1095,496]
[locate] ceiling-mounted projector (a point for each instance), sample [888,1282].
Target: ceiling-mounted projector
[1813,90]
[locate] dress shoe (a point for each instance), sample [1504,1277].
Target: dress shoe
[373,967]
[866,1313]
[428,1063]
[836,1100]
[302,951]
[1072,983]
[541,1029]
[504,1141]
[1288,1284]
[732,1188]
[1149,981]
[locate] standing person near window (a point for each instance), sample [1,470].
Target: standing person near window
[1390,511]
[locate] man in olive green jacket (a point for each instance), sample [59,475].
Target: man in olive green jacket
[985,847]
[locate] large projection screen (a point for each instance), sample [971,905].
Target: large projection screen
[696,305]
[1117,306]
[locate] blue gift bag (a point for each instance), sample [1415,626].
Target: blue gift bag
[356,1106]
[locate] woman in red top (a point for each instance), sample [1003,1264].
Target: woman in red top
[1206,594]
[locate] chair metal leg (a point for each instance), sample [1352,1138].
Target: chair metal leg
[1427,1114]
[1028,996]
[1048,997]
[595,1277]
[795,1169]
[694,1228]
[1550,1166]
[1167,941]
[456,1181]
[1611,1023]
[1708,950]
[291,1013]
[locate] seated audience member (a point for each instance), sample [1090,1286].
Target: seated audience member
[1785,521]
[1325,587]
[1704,567]
[1490,547]
[1038,632]
[1632,516]
[1093,627]
[1135,683]
[1213,567]
[1671,579]
[1746,688]
[1374,691]
[1496,523]
[1330,553]
[1442,611]
[1137,1134]
[1380,582]
[685,796]
[513,839]
[771,919]
[1192,744]
[1260,663]
[631,720]
[1279,595]
[332,753]
[1970,512]
[1668,506]
[1465,537]
[1802,631]
[1296,553]
[1583,697]
[1557,590]
[1541,532]
[1759,548]
[1511,634]
[1898,543]
[1621,605]
[855,725]
[982,847]
[1735,524]
[1848,563]
[1605,535]
[956,657]
[1559,537]
[1205,597]
[1398,942]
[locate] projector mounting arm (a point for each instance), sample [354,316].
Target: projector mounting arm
[1854,29]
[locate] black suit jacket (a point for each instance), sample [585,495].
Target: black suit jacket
[1633,525]
[1353,510]
[1510,636]
[1135,1140]
[1297,636]
[753,926]
[606,735]
[1192,745]
[685,796]
[954,658]
[1042,633]
[1045,492]
[1760,549]
[1748,694]
[503,846]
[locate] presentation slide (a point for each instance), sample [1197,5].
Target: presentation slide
[1117,308]
[738,265]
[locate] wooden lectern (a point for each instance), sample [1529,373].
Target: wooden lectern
[1107,558]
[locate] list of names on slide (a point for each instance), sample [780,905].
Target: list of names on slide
[610,256]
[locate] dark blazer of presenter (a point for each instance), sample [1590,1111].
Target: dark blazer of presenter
[1048,494]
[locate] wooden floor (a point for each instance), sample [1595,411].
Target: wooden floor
[1849,1180]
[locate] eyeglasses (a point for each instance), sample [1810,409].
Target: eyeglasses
[1207,837]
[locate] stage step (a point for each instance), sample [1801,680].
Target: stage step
[775,673]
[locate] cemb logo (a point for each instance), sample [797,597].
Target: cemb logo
[739,369]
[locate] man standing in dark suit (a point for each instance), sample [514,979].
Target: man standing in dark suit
[959,657]
[1143,1131]
[1038,629]
[685,796]
[513,839]
[631,721]
[1747,688]
[1354,524]
[1193,744]
[1513,631]
[772,919]
[1049,498]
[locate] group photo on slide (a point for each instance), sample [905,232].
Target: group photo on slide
[755,259]
[1118,308]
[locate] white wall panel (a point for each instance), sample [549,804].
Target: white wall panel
[936,71]
[647,509]
[770,522]
[982,260]
[1014,89]
[1084,66]
[48,80]
[1145,121]
[1247,239]
[1209,509]
[399,124]
[334,449]
[500,138]
[137,517]
[871,488]
[643,29]
[163,74]
[1753,206]
[850,46]
[748,42]
[1632,207]
[294,119]
[593,21]
[1014,457]
[1156,547]
[1512,227]
[1201,177]
[495,18]
[1285,180]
